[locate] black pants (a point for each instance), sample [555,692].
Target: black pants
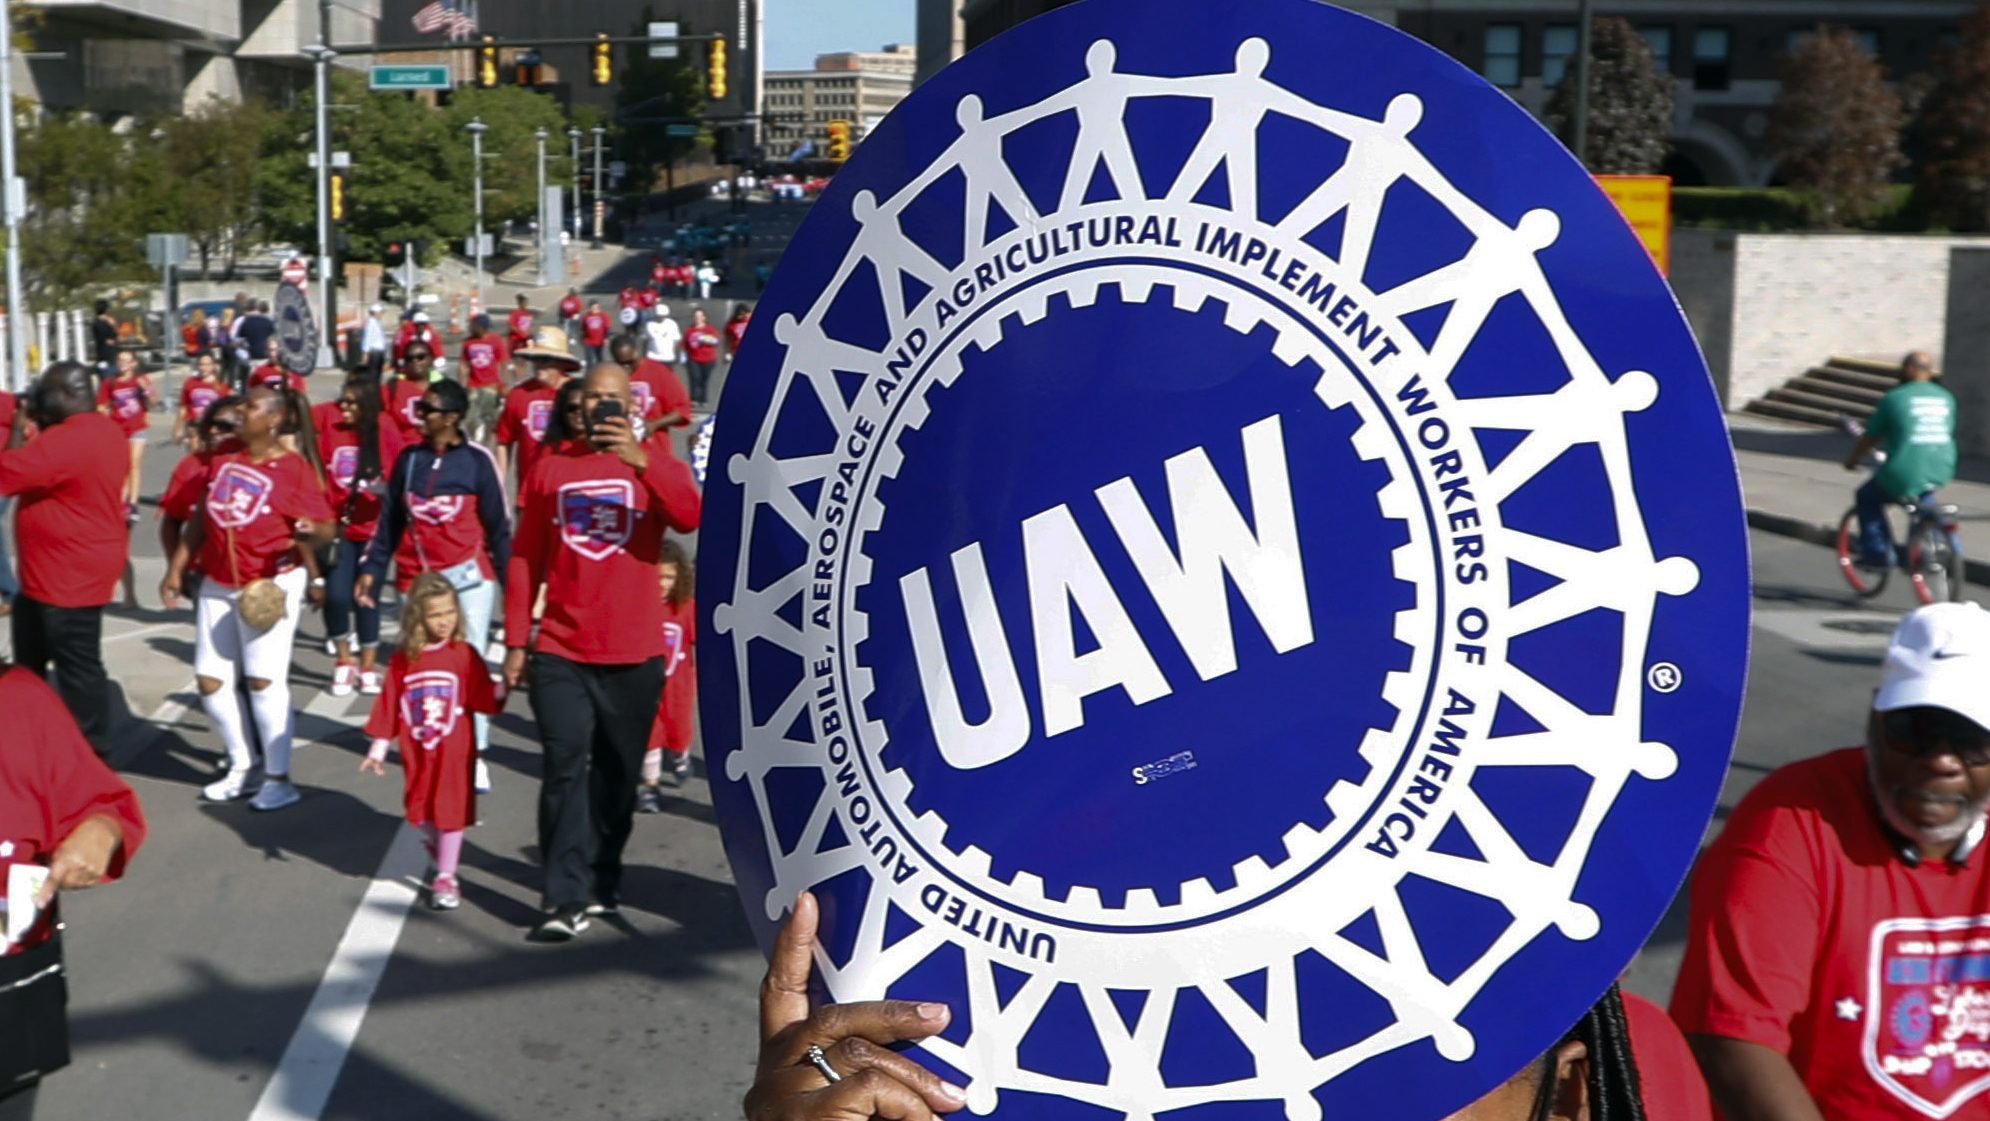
[72,640]
[594,722]
[701,379]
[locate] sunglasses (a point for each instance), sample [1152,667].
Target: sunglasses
[1930,731]
[417,356]
[423,408]
[224,426]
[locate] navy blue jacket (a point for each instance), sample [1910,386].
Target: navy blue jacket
[443,486]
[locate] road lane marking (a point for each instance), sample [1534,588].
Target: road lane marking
[309,1069]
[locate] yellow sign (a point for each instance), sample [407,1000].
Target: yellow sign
[1645,201]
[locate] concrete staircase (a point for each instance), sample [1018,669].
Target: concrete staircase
[1822,395]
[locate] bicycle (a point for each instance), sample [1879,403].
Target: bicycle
[1931,556]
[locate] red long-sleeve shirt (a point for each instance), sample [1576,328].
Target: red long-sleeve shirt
[71,528]
[592,531]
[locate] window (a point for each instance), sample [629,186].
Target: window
[1710,58]
[1503,54]
[1558,46]
[1659,39]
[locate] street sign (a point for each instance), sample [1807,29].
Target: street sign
[295,272]
[162,250]
[678,130]
[470,245]
[663,30]
[617,168]
[296,329]
[339,160]
[408,78]
[1646,203]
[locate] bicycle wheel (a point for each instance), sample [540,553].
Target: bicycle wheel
[1931,563]
[1867,580]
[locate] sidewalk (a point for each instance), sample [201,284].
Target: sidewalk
[1794,483]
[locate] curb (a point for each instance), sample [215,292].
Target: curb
[1784,525]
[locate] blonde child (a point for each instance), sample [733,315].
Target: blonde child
[435,682]
[670,735]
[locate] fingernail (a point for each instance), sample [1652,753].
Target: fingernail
[953,1092]
[932,1011]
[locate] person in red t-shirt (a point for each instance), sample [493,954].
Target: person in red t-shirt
[594,329]
[400,398]
[659,397]
[212,434]
[528,408]
[646,301]
[359,449]
[63,810]
[435,680]
[273,374]
[670,733]
[735,329]
[483,363]
[520,321]
[1835,962]
[204,388]
[701,353]
[258,509]
[570,312]
[72,535]
[591,535]
[126,397]
[415,328]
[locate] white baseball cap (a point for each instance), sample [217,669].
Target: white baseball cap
[1939,656]
[421,317]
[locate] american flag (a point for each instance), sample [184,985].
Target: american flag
[458,18]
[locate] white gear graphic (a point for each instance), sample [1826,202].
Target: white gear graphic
[1306,914]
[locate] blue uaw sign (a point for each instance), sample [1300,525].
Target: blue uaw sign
[1225,568]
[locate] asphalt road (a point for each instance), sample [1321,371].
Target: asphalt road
[224,977]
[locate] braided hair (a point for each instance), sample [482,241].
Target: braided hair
[1614,1090]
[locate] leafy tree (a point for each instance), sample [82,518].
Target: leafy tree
[1835,128]
[212,157]
[653,93]
[1630,103]
[1952,133]
[93,195]
[510,114]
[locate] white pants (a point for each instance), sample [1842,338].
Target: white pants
[224,644]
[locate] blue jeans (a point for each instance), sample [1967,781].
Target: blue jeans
[341,608]
[477,604]
[1875,540]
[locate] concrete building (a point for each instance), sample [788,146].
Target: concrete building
[855,86]
[1723,54]
[941,36]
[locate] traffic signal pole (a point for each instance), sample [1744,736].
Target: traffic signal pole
[327,291]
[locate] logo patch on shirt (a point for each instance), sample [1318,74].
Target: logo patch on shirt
[438,509]
[537,415]
[1927,1032]
[430,706]
[673,647]
[642,395]
[345,464]
[239,495]
[597,516]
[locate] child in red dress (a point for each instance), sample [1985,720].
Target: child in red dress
[434,683]
[670,735]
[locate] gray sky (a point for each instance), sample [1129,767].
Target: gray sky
[798,30]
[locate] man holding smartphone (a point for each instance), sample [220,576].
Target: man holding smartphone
[594,513]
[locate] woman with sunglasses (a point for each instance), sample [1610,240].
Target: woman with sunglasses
[358,449]
[399,396]
[261,510]
[444,510]
[214,433]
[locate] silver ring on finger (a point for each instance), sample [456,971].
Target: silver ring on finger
[821,1063]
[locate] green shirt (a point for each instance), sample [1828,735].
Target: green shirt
[1915,423]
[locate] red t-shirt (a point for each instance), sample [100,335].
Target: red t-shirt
[51,782]
[193,337]
[1669,1077]
[8,407]
[528,408]
[411,331]
[251,511]
[647,298]
[592,531]
[701,343]
[684,276]
[397,404]
[1809,935]
[594,328]
[188,482]
[570,307]
[735,334]
[674,716]
[269,375]
[630,298]
[70,523]
[657,391]
[197,394]
[658,272]
[521,327]
[426,708]
[441,531]
[483,357]
[126,400]
[338,444]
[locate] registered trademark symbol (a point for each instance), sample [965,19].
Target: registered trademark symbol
[1664,677]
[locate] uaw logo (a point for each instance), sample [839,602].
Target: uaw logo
[597,516]
[345,464]
[238,495]
[128,401]
[1191,542]
[431,702]
[1927,1029]
[440,509]
[199,398]
[411,410]
[537,415]
[641,395]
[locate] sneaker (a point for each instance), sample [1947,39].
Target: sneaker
[131,513]
[345,676]
[563,926]
[649,799]
[275,795]
[444,895]
[483,776]
[605,905]
[227,788]
[370,682]
[331,648]
[680,765]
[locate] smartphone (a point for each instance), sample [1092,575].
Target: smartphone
[603,410]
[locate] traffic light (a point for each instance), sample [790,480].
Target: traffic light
[839,141]
[396,253]
[602,65]
[338,196]
[487,64]
[715,71]
[526,64]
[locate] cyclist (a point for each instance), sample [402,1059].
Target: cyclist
[1915,425]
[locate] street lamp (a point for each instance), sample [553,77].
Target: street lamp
[598,132]
[540,231]
[14,201]
[321,57]
[476,129]
[573,158]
